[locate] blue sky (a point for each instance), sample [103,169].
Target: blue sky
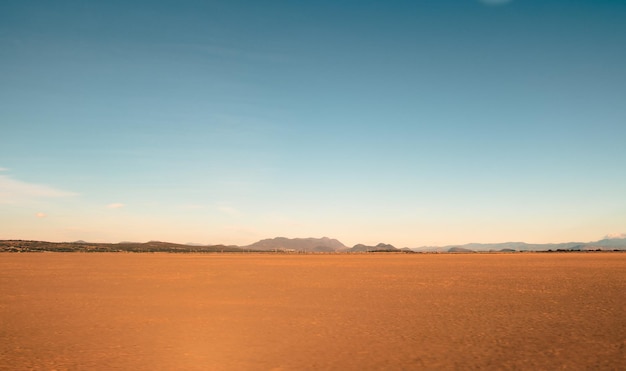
[407,122]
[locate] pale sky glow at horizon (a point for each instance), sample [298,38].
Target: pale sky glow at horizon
[412,123]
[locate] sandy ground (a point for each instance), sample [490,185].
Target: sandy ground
[324,312]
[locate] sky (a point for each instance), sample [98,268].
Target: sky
[415,123]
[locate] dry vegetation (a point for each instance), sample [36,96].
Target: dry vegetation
[293,312]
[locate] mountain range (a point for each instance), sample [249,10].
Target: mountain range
[618,243]
[323,244]
[326,244]
[309,245]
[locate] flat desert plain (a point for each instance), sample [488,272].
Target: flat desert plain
[73,311]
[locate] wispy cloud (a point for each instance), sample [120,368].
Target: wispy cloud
[3,169]
[13,191]
[615,235]
[495,2]
[193,206]
[115,205]
[228,210]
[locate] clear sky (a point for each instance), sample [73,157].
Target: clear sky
[413,123]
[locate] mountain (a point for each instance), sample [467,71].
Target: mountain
[152,246]
[611,242]
[459,249]
[380,247]
[323,244]
[160,246]
[608,243]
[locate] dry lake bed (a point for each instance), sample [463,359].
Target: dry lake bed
[119,311]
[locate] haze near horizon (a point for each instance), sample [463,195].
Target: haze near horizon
[409,123]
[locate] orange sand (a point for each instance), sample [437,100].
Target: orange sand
[324,312]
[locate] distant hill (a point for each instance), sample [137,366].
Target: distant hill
[323,244]
[604,244]
[611,242]
[459,249]
[380,247]
[159,246]
[152,246]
